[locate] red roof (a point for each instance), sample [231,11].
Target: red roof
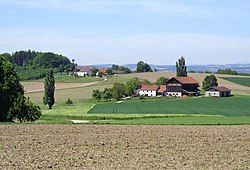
[102,70]
[148,87]
[162,89]
[186,80]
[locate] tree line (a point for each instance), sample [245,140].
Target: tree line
[34,65]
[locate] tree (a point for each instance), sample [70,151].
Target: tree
[181,69]
[118,91]
[49,89]
[109,71]
[10,89]
[131,86]
[143,67]
[209,81]
[97,95]
[94,71]
[161,80]
[13,104]
[61,68]
[107,94]
[24,110]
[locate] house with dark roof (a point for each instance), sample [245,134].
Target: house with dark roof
[147,90]
[83,71]
[220,91]
[179,86]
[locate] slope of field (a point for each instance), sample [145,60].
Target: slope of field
[230,106]
[124,147]
[238,80]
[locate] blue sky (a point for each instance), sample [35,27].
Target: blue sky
[126,31]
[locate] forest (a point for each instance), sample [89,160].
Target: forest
[31,65]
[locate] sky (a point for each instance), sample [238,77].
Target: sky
[127,31]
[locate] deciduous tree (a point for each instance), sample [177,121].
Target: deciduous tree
[209,81]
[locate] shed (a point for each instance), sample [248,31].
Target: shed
[220,91]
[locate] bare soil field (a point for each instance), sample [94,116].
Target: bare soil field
[236,88]
[124,147]
[39,86]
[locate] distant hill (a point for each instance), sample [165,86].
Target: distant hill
[241,68]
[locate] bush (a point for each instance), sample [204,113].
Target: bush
[69,102]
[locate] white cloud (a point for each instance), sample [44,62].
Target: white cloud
[205,8]
[158,48]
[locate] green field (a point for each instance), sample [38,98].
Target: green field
[238,80]
[230,106]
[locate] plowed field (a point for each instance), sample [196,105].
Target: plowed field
[124,147]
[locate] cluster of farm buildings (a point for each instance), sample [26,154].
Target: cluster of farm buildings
[182,86]
[175,86]
[86,71]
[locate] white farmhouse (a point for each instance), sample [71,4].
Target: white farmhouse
[84,71]
[218,92]
[147,90]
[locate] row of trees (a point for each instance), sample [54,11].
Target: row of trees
[118,90]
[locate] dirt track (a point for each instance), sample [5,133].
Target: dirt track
[124,147]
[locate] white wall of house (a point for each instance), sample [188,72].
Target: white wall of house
[212,94]
[177,94]
[217,94]
[147,92]
[81,74]
[84,73]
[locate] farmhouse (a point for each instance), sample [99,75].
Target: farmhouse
[83,71]
[147,90]
[179,86]
[218,92]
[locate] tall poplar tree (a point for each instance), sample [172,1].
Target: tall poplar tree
[181,69]
[49,89]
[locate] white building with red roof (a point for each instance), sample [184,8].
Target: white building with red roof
[147,90]
[220,91]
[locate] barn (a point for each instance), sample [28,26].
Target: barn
[179,86]
[220,91]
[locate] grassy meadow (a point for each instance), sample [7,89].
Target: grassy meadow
[238,80]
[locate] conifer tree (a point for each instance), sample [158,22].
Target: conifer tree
[49,89]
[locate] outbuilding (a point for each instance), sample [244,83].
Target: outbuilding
[147,90]
[220,91]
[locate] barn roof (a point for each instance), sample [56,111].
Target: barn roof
[220,88]
[184,80]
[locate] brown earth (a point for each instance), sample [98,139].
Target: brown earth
[39,86]
[124,147]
